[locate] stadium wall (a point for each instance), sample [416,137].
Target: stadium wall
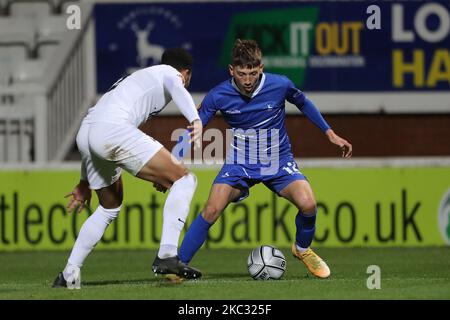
[359,205]
[372,135]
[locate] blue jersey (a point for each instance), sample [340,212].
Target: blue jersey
[257,122]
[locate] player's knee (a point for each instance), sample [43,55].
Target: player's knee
[308,207]
[211,213]
[111,203]
[179,173]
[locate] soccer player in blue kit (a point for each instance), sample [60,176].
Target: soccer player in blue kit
[253,105]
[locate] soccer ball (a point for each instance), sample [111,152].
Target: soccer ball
[266,262]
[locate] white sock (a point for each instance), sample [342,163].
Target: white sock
[90,234]
[167,250]
[176,210]
[72,275]
[302,250]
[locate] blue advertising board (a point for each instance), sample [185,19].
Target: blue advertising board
[321,46]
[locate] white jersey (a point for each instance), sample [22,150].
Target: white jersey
[144,93]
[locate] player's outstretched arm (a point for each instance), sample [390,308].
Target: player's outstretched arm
[80,197]
[196,132]
[345,146]
[183,100]
[312,113]
[307,107]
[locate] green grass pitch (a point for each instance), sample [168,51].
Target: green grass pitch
[406,273]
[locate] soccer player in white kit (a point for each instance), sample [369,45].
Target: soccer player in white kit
[109,140]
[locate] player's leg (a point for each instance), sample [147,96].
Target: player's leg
[91,232]
[104,178]
[219,197]
[94,227]
[163,170]
[299,192]
[146,158]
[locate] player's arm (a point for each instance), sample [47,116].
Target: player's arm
[307,107]
[207,109]
[185,104]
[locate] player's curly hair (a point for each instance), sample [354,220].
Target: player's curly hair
[246,53]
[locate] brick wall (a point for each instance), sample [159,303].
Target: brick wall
[371,135]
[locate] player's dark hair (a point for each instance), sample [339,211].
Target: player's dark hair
[178,58]
[246,53]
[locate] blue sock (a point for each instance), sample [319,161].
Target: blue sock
[306,226]
[194,238]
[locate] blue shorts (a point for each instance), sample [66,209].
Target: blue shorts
[244,177]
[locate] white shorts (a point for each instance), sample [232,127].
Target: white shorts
[106,148]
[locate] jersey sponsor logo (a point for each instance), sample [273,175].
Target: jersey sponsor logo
[233,111]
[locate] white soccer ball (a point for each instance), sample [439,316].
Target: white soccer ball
[266,262]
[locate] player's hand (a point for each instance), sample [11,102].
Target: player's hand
[159,187]
[345,146]
[196,133]
[80,197]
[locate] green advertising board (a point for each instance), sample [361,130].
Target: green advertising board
[356,207]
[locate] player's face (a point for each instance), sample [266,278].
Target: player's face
[187,74]
[246,78]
